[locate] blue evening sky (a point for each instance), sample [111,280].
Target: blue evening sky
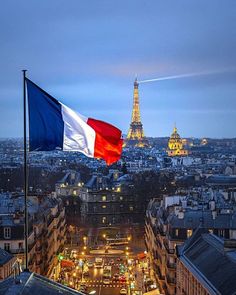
[87,53]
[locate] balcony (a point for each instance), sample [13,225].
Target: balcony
[49,234]
[39,262]
[38,235]
[158,243]
[171,265]
[169,251]
[158,271]
[38,248]
[170,280]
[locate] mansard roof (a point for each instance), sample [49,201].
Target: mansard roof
[211,262]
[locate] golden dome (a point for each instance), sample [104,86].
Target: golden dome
[175,145]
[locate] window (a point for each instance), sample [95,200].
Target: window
[176,232]
[104,206]
[131,208]
[221,233]
[104,198]
[121,198]
[189,233]
[7,246]
[20,244]
[104,219]
[7,232]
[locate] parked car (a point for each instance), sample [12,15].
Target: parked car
[116,277]
[111,261]
[122,279]
[106,281]
[90,263]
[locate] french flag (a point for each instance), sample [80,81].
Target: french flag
[54,126]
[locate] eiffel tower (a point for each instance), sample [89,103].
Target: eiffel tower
[135,135]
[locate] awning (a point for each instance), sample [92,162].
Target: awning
[67,263]
[141,255]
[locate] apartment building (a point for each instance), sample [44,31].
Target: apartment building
[46,235]
[172,221]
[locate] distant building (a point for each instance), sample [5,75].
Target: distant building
[69,190]
[206,265]
[109,200]
[69,185]
[175,145]
[172,221]
[7,261]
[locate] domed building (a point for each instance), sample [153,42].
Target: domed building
[175,145]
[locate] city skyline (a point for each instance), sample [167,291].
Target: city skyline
[88,57]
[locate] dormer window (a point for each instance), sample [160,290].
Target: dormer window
[7,232]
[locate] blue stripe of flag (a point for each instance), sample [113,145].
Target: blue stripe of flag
[46,126]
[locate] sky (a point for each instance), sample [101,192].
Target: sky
[87,53]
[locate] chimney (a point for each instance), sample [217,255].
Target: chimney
[181,215]
[212,205]
[214,214]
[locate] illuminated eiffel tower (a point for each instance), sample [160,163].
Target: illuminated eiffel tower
[135,135]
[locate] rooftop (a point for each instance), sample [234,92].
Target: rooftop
[208,258]
[28,283]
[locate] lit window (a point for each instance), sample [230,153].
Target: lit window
[211,231]
[104,219]
[131,208]
[104,206]
[176,232]
[104,198]
[121,198]
[189,233]
[74,193]
[7,232]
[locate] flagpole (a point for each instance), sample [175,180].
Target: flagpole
[25,175]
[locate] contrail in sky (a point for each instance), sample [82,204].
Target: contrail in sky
[187,75]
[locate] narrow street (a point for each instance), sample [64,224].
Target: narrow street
[102,265]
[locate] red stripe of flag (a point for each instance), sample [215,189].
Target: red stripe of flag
[108,142]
